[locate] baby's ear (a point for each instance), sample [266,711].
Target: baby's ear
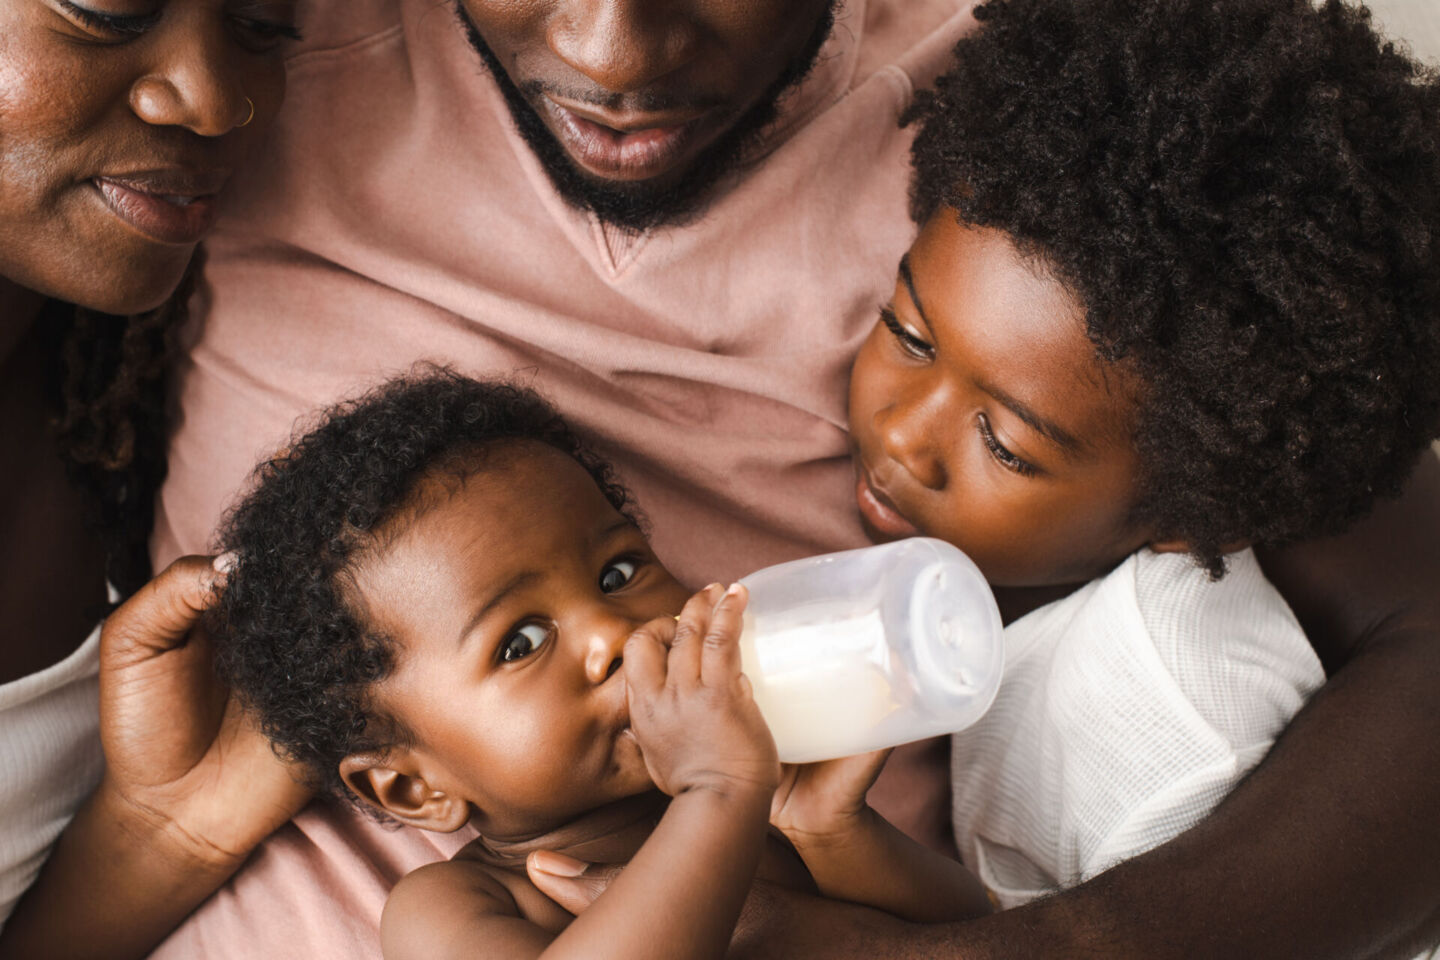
[392,783]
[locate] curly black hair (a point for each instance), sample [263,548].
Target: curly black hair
[291,638]
[1244,195]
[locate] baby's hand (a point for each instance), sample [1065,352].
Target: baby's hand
[691,708]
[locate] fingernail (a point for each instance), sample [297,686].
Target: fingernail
[557,864]
[734,589]
[225,562]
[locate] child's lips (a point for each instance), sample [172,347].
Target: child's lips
[878,512]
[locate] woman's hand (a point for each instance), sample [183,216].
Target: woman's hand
[179,751]
[691,709]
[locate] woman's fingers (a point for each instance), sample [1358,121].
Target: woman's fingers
[161,613]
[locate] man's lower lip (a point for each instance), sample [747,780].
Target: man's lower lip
[879,516]
[156,217]
[638,155]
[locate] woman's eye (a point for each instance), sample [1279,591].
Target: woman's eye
[1000,452]
[119,25]
[616,574]
[911,344]
[524,641]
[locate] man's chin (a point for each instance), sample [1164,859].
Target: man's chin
[673,196]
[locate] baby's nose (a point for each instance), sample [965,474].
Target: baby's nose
[604,647]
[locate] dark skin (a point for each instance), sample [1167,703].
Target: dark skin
[1326,850]
[120,121]
[548,692]
[635,91]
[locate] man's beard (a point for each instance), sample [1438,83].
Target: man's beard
[640,205]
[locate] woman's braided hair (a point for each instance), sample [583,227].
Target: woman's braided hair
[112,426]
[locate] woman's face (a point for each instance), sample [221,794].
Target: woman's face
[120,120]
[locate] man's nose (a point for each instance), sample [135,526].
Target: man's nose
[623,45]
[914,436]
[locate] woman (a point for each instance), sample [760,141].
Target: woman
[120,122]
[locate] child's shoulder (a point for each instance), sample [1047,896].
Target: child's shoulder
[433,907]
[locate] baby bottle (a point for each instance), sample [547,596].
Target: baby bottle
[870,648]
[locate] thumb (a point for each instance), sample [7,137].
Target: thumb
[161,613]
[574,884]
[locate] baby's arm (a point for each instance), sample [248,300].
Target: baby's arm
[855,854]
[706,745]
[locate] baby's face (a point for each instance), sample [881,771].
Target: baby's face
[510,597]
[980,414]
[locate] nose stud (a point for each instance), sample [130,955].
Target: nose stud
[246,122]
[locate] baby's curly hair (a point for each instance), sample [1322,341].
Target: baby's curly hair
[1245,197]
[291,639]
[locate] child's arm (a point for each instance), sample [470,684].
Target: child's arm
[855,854]
[706,745]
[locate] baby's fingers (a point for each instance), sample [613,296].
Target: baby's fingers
[720,662]
[644,657]
[690,629]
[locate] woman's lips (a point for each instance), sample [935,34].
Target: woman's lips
[878,514]
[639,153]
[160,211]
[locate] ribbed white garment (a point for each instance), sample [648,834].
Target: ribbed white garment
[50,761]
[1128,710]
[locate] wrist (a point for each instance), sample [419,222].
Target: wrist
[837,829]
[160,834]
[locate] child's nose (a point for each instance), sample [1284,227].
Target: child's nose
[910,435]
[605,637]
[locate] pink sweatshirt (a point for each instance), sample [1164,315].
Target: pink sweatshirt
[396,217]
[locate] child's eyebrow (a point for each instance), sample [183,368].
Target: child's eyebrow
[1056,434]
[521,579]
[909,280]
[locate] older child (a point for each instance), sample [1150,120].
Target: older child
[444,606]
[1176,292]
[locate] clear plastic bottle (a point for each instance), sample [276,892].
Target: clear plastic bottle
[853,651]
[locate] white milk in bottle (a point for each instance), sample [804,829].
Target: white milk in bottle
[870,648]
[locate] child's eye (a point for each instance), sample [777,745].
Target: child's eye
[909,342]
[997,450]
[524,641]
[616,574]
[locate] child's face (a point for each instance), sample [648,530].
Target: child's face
[981,414]
[510,597]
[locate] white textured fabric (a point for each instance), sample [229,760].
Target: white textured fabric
[1128,710]
[50,761]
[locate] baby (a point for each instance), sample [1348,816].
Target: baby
[444,606]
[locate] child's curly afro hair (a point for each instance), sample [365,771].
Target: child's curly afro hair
[1245,197]
[290,642]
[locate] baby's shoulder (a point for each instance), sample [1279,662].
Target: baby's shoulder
[431,905]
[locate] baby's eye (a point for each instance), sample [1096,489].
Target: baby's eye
[616,574]
[524,641]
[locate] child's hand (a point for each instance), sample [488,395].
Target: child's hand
[691,708]
[820,803]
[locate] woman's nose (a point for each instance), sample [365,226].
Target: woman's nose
[912,436]
[622,45]
[194,81]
